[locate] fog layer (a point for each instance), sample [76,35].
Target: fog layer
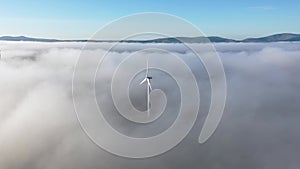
[260,126]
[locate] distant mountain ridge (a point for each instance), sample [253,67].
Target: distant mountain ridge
[283,37]
[275,38]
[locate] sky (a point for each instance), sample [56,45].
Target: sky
[81,19]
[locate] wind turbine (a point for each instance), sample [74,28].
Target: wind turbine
[147,79]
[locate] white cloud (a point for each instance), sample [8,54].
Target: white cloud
[39,129]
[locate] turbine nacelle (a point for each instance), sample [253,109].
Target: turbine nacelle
[147,79]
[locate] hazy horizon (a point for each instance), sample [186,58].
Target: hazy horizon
[147,38]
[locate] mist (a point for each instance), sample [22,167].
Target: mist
[259,129]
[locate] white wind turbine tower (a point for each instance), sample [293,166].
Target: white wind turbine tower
[147,79]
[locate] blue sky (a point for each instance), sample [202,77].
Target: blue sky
[80,19]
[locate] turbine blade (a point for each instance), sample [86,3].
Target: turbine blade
[147,66]
[149,84]
[147,62]
[143,81]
